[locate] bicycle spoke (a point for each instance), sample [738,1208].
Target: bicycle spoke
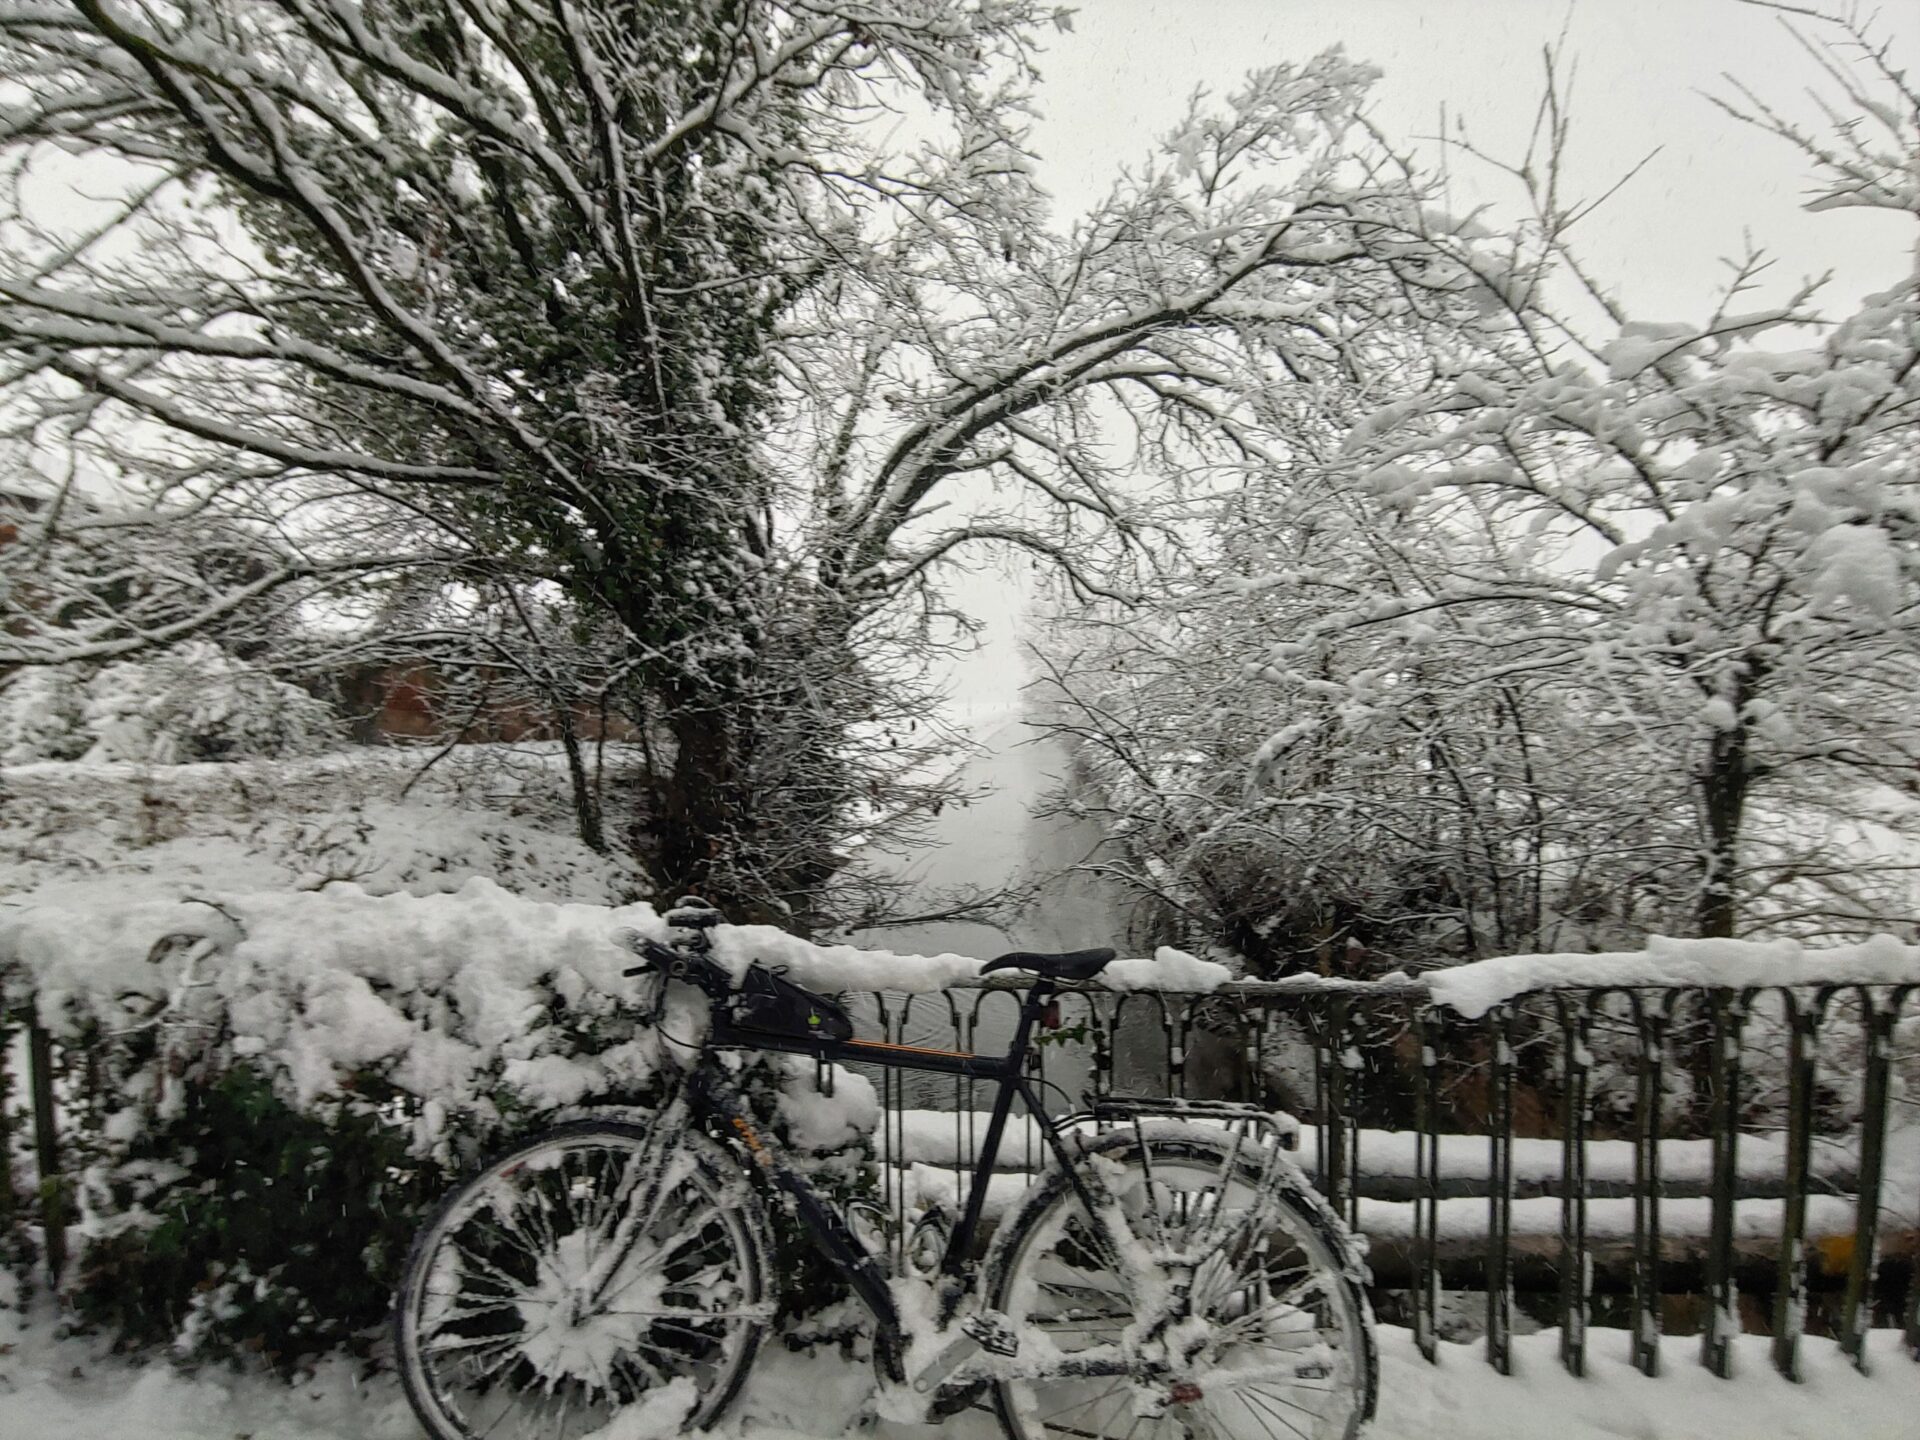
[496,1349]
[1256,1408]
[1214,1236]
[1082,1404]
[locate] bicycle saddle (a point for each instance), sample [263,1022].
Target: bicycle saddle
[1072,965]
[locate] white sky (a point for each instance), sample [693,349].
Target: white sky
[1125,73]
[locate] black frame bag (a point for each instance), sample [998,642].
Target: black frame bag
[767,1002]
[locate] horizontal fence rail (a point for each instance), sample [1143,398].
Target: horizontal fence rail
[1658,1159]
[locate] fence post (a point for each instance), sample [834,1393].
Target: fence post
[1790,1293]
[9,1201]
[1426,1202]
[1577,1060]
[1333,1158]
[1102,1026]
[1650,1020]
[893,1170]
[1716,1340]
[1500,1195]
[1177,1025]
[46,1144]
[1878,1021]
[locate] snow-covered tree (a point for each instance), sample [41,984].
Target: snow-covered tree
[628,298]
[1354,735]
[1738,498]
[1552,638]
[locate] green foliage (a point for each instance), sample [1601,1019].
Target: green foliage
[1078,1033]
[284,1238]
[245,1228]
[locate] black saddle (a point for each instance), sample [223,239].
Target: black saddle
[1073,965]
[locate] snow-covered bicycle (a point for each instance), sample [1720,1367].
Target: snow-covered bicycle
[1169,1274]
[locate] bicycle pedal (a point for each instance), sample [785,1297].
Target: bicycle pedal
[956,1399]
[993,1331]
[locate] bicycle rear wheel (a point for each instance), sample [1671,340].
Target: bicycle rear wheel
[599,1267]
[1214,1296]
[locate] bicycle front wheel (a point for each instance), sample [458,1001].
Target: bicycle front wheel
[1209,1294]
[599,1267]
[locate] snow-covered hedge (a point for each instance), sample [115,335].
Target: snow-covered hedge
[275,1083]
[364,815]
[192,702]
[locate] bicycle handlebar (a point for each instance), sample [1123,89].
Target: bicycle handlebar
[676,964]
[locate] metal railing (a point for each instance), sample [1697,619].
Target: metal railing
[1619,1151]
[1578,1153]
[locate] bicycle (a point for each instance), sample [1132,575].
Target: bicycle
[1170,1273]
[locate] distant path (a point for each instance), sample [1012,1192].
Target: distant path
[997,841]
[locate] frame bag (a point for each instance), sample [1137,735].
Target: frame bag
[767,1002]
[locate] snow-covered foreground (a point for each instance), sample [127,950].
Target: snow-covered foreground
[69,1390]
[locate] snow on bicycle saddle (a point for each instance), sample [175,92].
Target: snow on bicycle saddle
[1071,965]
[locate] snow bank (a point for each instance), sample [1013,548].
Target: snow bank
[366,815]
[1472,990]
[453,998]
[58,1384]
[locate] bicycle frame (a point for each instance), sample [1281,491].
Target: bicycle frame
[718,1104]
[715,1098]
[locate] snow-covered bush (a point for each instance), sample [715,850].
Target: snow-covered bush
[192,702]
[277,1084]
[43,716]
[240,1224]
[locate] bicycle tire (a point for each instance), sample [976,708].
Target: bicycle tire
[503,1273]
[1046,1276]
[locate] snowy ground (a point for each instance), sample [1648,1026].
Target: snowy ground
[56,1389]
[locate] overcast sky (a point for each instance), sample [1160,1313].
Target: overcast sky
[1126,71]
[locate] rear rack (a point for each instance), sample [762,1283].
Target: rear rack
[1282,1128]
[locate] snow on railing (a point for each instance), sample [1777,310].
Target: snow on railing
[1584,1077]
[1715,1118]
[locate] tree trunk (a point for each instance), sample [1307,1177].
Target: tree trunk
[1724,784]
[586,803]
[699,807]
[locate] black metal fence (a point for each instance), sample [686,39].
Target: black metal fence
[1661,1160]
[1656,1159]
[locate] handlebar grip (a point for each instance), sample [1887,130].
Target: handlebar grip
[637,970]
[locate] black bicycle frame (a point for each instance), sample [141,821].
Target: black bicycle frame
[714,1095]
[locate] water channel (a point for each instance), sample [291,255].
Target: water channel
[994,841]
